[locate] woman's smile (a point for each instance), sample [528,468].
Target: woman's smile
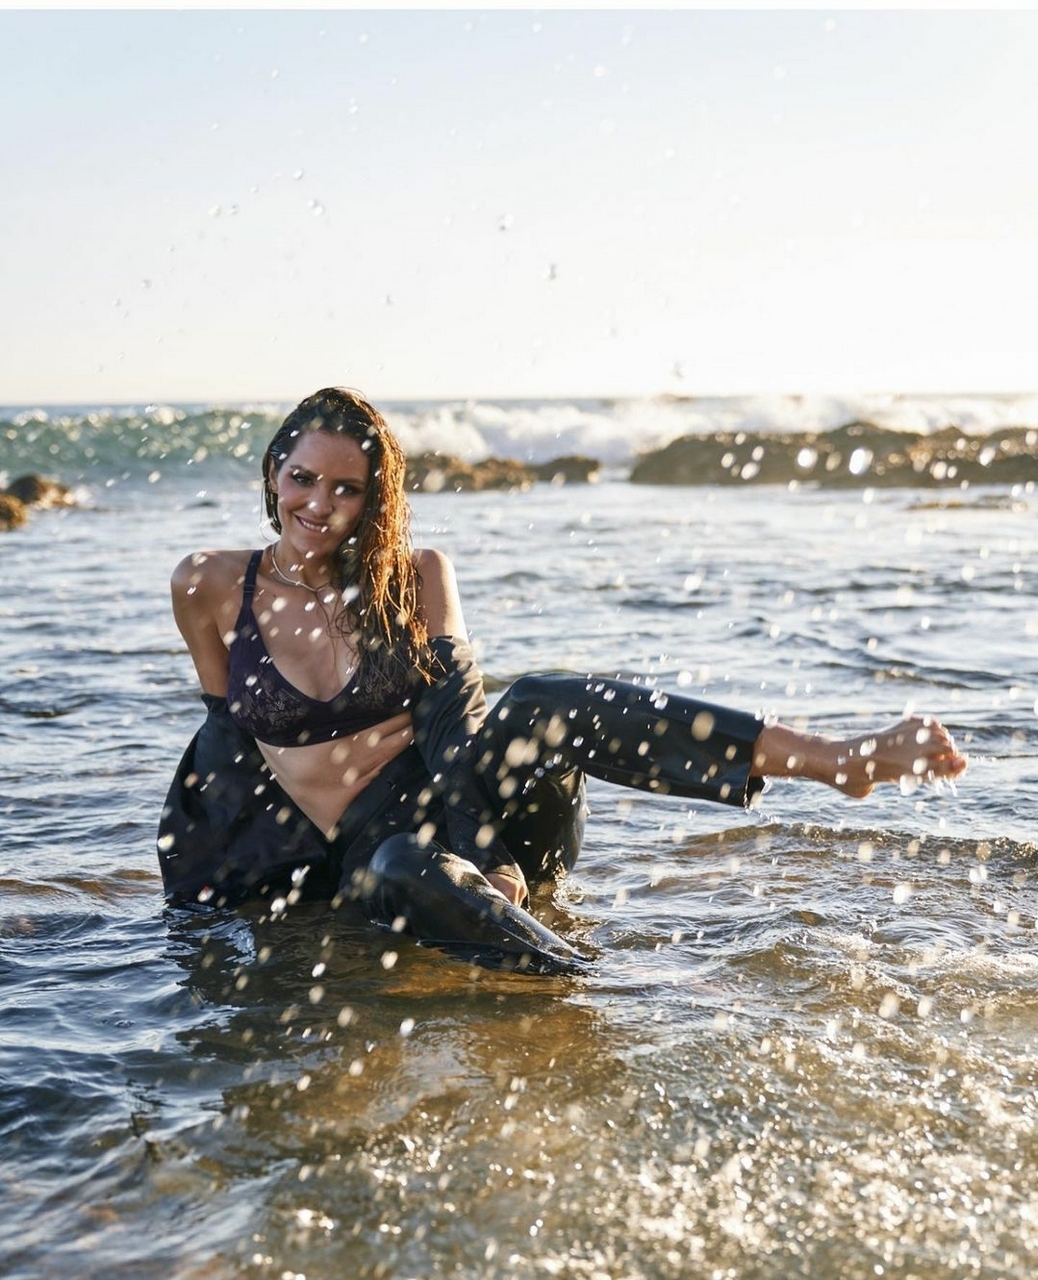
[312,525]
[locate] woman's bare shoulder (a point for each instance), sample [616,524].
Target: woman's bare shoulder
[210,572]
[429,561]
[439,602]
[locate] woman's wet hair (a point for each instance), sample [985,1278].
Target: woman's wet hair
[375,570]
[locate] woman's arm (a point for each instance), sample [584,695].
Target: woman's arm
[919,748]
[438,597]
[203,591]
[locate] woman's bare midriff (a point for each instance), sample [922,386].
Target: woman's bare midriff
[326,777]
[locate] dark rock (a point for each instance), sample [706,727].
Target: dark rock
[36,491]
[13,514]
[435,472]
[570,469]
[857,454]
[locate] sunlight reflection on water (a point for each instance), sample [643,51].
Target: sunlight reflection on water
[807,1043]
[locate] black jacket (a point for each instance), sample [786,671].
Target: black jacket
[228,831]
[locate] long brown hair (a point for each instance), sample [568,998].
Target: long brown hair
[375,571]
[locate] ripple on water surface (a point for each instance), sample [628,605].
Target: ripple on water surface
[806,1047]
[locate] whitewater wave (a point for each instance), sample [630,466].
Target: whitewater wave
[76,443]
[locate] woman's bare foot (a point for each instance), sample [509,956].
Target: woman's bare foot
[920,749]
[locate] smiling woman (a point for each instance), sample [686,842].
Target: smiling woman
[315,663]
[349,753]
[321,508]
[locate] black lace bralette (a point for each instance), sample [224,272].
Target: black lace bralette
[267,706]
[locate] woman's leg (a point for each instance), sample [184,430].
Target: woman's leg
[543,820]
[558,726]
[530,756]
[446,902]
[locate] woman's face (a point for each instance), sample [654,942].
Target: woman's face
[321,488]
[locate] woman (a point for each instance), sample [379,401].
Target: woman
[348,751]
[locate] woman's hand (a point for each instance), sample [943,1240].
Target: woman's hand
[919,748]
[511,882]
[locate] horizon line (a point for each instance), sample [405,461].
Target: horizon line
[672,396]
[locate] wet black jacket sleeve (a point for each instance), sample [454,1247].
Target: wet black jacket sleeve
[227,828]
[448,714]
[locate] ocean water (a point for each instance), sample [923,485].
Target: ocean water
[807,1046]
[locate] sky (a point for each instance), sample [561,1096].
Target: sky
[243,205]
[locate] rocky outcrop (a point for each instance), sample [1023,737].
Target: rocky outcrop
[437,472]
[13,514]
[30,491]
[36,491]
[858,454]
[572,468]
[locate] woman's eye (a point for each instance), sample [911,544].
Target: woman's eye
[300,477]
[346,490]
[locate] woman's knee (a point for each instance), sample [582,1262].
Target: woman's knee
[528,694]
[534,712]
[407,868]
[399,861]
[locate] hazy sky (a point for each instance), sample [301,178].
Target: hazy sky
[249,204]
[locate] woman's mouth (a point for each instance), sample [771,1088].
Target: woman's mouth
[312,525]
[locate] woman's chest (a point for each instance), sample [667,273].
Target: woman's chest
[309,645]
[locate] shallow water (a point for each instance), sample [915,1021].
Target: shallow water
[807,1045]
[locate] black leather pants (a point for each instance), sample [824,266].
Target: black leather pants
[479,789]
[530,758]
